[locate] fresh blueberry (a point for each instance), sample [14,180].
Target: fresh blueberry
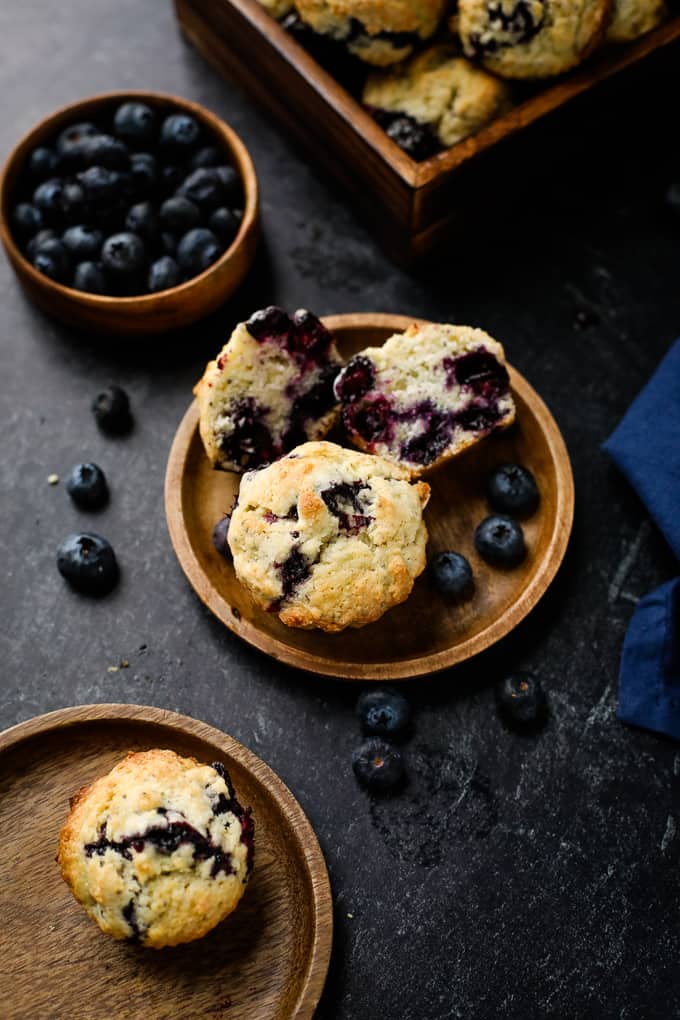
[521,699]
[102,186]
[270,324]
[169,242]
[225,223]
[179,214]
[38,241]
[123,253]
[83,242]
[383,712]
[219,536]
[171,177]
[197,250]
[105,150]
[231,183]
[49,198]
[163,274]
[74,201]
[377,765]
[27,220]
[205,188]
[51,259]
[90,277]
[500,541]
[71,142]
[142,219]
[88,562]
[451,574]
[136,123]
[86,485]
[207,156]
[111,409]
[513,490]
[143,172]
[42,163]
[180,133]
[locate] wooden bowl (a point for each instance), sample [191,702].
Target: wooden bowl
[425,633]
[267,960]
[146,313]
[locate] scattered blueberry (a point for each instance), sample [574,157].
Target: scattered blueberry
[104,150]
[90,277]
[83,242]
[377,765]
[521,699]
[180,133]
[71,141]
[204,188]
[51,259]
[42,163]
[88,562]
[26,219]
[451,573]
[179,214]
[219,536]
[163,274]
[197,250]
[136,123]
[86,485]
[225,223]
[383,712]
[207,156]
[142,219]
[500,541]
[512,489]
[111,409]
[123,253]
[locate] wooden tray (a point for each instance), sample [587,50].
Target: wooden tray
[268,960]
[424,634]
[410,205]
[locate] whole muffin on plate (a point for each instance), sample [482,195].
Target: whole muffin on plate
[379,32]
[159,850]
[441,89]
[328,537]
[531,38]
[269,389]
[633,18]
[426,395]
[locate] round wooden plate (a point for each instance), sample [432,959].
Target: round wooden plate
[424,634]
[267,960]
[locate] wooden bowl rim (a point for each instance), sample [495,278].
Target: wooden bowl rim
[308,845]
[408,668]
[104,302]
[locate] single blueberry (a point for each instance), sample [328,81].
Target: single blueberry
[123,253]
[86,485]
[219,536]
[27,220]
[512,489]
[51,259]
[310,336]
[42,163]
[38,240]
[180,133]
[271,323]
[207,156]
[521,700]
[172,176]
[197,250]
[105,150]
[102,186]
[74,201]
[204,188]
[142,220]
[231,183]
[136,123]
[143,173]
[179,214]
[168,242]
[71,142]
[378,765]
[226,223]
[111,409]
[356,378]
[383,712]
[500,541]
[451,573]
[83,242]
[90,277]
[49,199]
[163,274]
[88,563]
[418,140]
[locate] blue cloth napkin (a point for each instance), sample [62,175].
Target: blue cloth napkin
[646,448]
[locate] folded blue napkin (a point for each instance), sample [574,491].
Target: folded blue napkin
[646,447]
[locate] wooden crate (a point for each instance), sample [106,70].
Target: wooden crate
[410,205]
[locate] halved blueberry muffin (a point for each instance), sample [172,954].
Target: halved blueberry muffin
[270,389]
[425,395]
[328,537]
[159,850]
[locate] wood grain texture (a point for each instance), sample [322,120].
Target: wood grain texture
[411,205]
[149,313]
[267,960]
[424,634]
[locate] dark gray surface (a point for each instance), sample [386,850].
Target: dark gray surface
[514,877]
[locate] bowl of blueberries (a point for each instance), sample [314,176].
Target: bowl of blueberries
[130,213]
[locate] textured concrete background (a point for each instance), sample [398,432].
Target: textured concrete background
[514,877]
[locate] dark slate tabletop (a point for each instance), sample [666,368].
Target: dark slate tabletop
[515,876]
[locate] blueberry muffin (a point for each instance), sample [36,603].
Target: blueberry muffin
[425,395]
[379,32]
[531,38]
[441,89]
[159,850]
[270,389]
[328,537]
[633,18]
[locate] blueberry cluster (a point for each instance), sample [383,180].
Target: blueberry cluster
[132,205]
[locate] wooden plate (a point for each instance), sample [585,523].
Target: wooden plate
[267,960]
[424,634]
